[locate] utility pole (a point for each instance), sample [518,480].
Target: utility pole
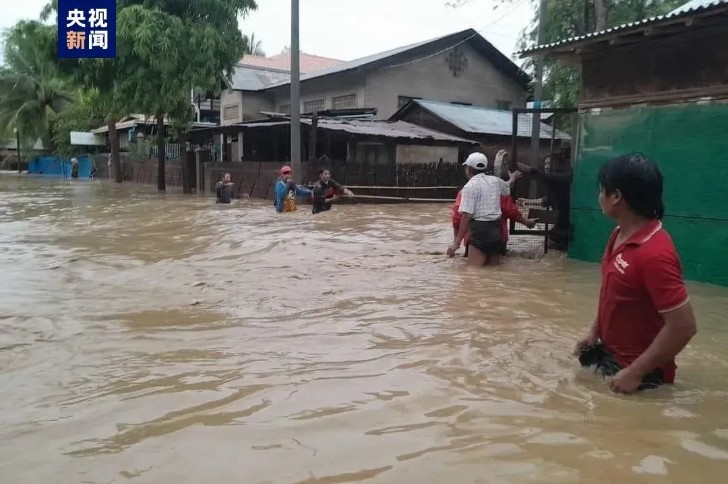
[295,94]
[537,88]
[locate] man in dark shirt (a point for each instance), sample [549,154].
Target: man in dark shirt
[327,191]
[224,189]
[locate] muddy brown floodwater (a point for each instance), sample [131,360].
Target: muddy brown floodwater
[165,339]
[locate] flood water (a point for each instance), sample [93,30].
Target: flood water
[159,338]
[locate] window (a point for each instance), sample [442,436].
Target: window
[230,112]
[314,105]
[345,102]
[402,100]
[503,105]
[284,108]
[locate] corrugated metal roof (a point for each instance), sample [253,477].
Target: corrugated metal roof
[480,120]
[695,6]
[249,78]
[389,129]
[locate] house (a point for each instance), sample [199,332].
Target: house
[492,128]
[134,130]
[346,144]
[459,68]
[244,97]
[658,86]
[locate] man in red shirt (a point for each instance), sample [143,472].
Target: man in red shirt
[645,318]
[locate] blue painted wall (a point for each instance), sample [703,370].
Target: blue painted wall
[55,166]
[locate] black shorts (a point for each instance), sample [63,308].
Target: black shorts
[604,363]
[487,237]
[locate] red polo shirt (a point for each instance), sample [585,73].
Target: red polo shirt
[641,279]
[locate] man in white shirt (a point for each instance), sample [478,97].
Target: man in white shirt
[481,212]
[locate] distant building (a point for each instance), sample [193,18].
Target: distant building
[658,86]
[461,68]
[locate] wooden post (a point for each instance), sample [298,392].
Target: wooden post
[224,150]
[188,161]
[312,139]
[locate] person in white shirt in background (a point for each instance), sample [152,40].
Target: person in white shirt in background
[481,212]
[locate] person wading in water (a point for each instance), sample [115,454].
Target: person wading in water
[224,189]
[327,191]
[480,208]
[286,191]
[509,209]
[645,318]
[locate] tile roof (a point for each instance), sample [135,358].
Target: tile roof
[282,61]
[695,6]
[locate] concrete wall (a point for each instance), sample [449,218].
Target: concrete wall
[254,103]
[426,154]
[326,88]
[231,107]
[480,83]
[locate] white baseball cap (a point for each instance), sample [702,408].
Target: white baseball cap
[477,161]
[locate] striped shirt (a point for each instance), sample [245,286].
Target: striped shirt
[481,197]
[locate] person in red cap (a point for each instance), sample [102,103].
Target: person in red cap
[286,191]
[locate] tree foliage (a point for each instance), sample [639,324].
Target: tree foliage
[165,50]
[33,93]
[83,115]
[253,46]
[570,18]
[177,46]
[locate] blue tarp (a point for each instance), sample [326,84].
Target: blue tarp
[55,166]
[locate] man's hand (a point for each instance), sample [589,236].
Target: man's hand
[452,249]
[627,381]
[530,222]
[348,193]
[590,339]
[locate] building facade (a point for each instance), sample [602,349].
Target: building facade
[461,68]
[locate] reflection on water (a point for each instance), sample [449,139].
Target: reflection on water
[164,338]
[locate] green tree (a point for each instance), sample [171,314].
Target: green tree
[83,115]
[33,91]
[570,18]
[253,46]
[178,45]
[101,77]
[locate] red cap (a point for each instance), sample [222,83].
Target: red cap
[286,169]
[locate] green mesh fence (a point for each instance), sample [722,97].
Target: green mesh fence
[690,144]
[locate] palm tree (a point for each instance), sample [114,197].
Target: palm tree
[253,46]
[32,91]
